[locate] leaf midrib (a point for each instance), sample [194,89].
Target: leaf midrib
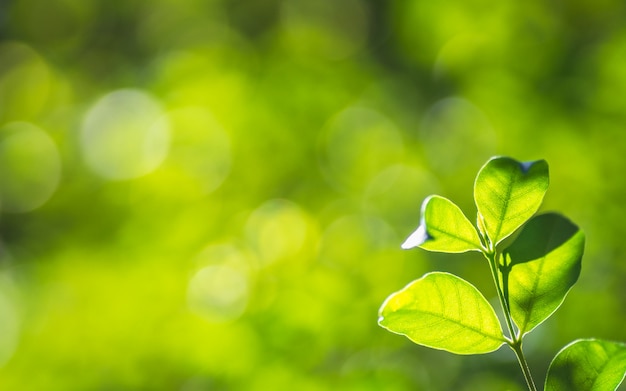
[506,201]
[598,371]
[449,233]
[541,264]
[454,321]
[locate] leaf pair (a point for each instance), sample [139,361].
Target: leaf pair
[507,193]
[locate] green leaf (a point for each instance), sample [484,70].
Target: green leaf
[444,228]
[443,311]
[544,263]
[588,365]
[508,192]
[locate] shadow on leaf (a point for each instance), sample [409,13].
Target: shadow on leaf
[539,237]
[540,267]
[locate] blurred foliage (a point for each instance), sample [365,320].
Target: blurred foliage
[211,195]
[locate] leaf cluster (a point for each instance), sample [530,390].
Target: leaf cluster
[532,271]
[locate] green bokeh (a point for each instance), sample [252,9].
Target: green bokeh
[211,195]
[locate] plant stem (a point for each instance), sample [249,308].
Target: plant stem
[515,341]
[492,257]
[517,348]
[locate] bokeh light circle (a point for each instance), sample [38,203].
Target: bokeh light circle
[200,148]
[219,290]
[30,167]
[26,82]
[10,324]
[456,134]
[276,230]
[357,144]
[125,135]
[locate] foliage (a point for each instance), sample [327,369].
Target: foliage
[532,276]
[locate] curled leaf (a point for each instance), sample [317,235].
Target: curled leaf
[443,228]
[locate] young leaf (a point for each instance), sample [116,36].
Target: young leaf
[443,311]
[508,192]
[588,365]
[443,228]
[545,261]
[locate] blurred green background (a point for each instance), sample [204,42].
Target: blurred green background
[211,194]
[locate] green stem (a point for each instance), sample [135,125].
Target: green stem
[517,348]
[515,341]
[492,257]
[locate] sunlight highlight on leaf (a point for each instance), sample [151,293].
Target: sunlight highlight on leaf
[443,311]
[508,192]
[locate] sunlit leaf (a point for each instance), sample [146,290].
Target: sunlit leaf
[443,311]
[444,228]
[545,262]
[588,365]
[508,192]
